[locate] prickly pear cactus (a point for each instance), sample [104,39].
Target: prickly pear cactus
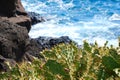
[68,62]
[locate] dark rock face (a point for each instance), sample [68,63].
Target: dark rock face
[42,43]
[19,8]
[23,21]
[34,48]
[4,66]
[13,11]
[35,18]
[7,7]
[11,7]
[13,40]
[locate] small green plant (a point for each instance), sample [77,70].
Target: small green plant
[68,62]
[88,63]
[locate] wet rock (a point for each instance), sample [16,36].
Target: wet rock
[39,44]
[49,42]
[35,18]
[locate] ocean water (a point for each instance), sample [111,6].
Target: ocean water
[92,20]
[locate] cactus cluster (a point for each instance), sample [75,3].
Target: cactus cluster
[68,62]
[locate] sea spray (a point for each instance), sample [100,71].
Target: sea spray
[90,19]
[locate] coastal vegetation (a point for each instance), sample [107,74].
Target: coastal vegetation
[70,62]
[58,58]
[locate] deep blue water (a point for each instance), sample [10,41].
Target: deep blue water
[92,20]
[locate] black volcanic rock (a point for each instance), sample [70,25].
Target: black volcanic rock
[39,44]
[49,42]
[35,18]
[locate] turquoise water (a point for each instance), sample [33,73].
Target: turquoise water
[92,20]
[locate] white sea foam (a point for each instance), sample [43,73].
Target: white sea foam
[75,32]
[114,17]
[99,27]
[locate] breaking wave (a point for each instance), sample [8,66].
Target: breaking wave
[92,20]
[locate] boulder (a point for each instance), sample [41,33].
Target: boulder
[13,40]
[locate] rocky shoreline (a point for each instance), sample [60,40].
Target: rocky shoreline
[15,43]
